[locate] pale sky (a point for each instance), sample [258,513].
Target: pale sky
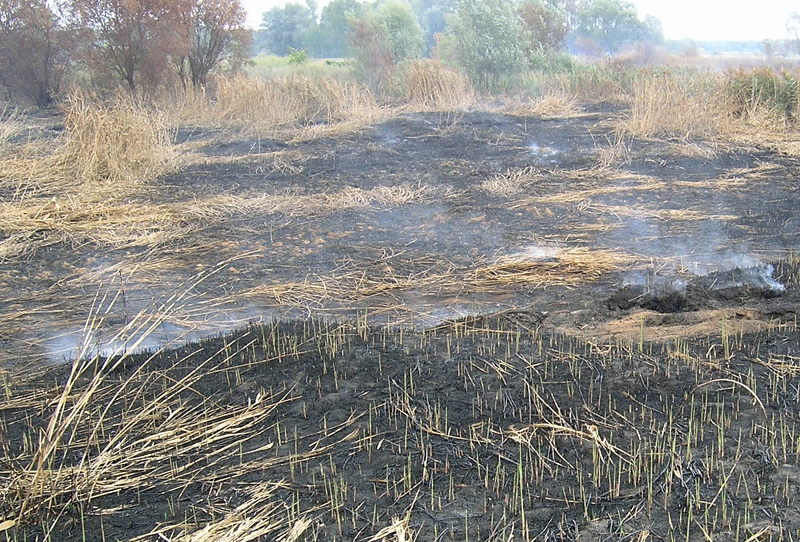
[696,19]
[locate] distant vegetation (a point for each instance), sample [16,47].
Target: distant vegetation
[51,49]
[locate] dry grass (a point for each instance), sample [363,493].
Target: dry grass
[432,86]
[278,105]
[615,153]
[221,207]
[80,190]
[554,103]
[117,144]
[662,107]
[155,445]
[509,184]
[120,143]
[357,282]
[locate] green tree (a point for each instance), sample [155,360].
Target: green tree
[401,29]
[384,36]
[484,38]
[334,27]
[612,24]
[432,16]
[282,28]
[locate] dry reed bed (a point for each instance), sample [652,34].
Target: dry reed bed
[293,107]
[431,86]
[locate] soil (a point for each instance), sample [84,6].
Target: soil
[657,400]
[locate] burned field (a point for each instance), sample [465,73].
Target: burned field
[472,326]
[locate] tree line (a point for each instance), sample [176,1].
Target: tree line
[141,45]
[482,34]
[138,44]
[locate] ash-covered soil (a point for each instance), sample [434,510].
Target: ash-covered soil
[403,219]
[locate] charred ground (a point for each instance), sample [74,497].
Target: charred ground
[496,326]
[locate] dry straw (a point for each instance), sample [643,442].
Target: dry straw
[354,283]
[662,106]
[80,192]
[432,86]
[121,142]
[553,103]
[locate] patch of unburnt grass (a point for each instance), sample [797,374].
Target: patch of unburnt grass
[483,428]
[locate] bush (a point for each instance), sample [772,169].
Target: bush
[297,56]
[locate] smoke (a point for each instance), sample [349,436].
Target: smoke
[543,154]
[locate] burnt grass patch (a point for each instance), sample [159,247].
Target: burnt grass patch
[485,428]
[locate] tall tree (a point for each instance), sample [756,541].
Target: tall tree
[432,16]
[329,36]
[402,29]
[134,39]
[215,33]
[384,36]
[33,50]
[282,28]
[611,23]
[545,26]
[484,37]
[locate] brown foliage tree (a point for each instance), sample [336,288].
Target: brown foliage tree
[33,48]
[545,26]
[215,32]
[134,39]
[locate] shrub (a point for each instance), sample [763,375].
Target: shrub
[297,56]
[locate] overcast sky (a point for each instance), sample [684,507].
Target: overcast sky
[695,19]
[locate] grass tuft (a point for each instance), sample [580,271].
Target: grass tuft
[662,107]
[433,86]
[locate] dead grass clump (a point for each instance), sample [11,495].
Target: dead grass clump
[661,106]
[35,223]
[381,195]
[9,124]
[563,268]
[221,207]
[763,93]
[79,191]
[552,104]
[431,85]
[121,142]
[595,82]
[509,184]
[539,266]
